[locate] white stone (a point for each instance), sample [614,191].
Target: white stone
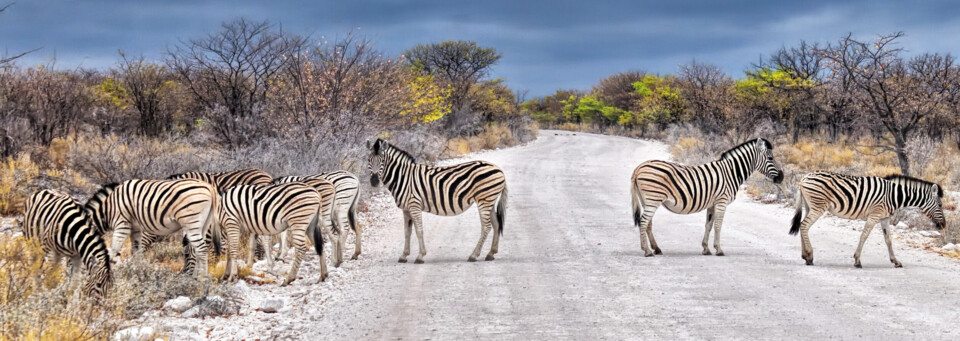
[139,333]
[271,305]
[192,312]
[179,304]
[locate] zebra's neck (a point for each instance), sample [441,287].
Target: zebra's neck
[398,177]
[739,167]
[903,196]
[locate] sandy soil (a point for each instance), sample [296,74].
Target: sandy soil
[570,267]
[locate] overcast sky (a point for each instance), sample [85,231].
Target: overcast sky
[566,44]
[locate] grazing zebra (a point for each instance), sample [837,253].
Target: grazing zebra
[348,191]
[869,198]
[61,225]
[690,189]
[443,191]
[269,210]
[221,181]
[158,208]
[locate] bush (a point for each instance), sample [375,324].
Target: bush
[115,159]
[16,178]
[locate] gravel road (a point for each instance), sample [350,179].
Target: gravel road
[570,267]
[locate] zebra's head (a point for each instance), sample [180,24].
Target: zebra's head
[927,196]
[376,161]
[760,152]
[100,282]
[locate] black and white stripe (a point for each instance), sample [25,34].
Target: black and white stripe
[221,181]
[267,210]
[61,225]
[347,188]
[690,189]
[869,198]
[443,191]
[155,207]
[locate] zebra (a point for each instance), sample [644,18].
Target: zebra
[690,189]
[444,191]
[269,210]
[221,181]
[347,193]
[155,207]
[328,217]
[60,224]
[869,198]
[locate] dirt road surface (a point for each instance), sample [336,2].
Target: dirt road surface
[570,267]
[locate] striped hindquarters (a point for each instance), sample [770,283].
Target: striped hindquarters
[153,205]
[62,226]
[347,188]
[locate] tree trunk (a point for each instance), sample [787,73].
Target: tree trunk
[901,148]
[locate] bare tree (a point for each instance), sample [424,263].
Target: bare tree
[898,95]
[707,90]
[39,105]
[147,85]
[229,73]
[462,63]
[618,91]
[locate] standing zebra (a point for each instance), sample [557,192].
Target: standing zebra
[690,189]
[327,216]
[221,181]
[443,191]
[347,192]
[869,198]
[269,210]
[155,207]
[62,227]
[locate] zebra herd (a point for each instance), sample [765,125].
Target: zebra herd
[216,208]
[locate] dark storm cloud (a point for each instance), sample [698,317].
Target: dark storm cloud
[563,44]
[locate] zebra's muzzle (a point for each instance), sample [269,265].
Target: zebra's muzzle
[374,180]
[779,178]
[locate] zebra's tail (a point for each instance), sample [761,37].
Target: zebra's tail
[798,217]
[637,202]
[213,225]
[501,209]
[352,213]
[315,234]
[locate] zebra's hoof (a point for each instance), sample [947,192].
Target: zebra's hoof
[472,259]
[489,257]
[858,266]
[418,261]
[648,254]
[402,260]
[657,251]
[706,252]
[809,261]
[719,253]
[897,265]
[355,256]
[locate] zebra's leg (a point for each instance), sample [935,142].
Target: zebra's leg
[495,245]
[136,237]
[267,242]
[120,234]
[706,232]
[300,245]
[357,230]
[718,212]
[863,238]
[284,247]
[885,225]
[195,234]
[805,245]
[75,262]
[418,224]
[644,222]
[653,242]
[485,209]
[253,242]
[407,229]
[233,251]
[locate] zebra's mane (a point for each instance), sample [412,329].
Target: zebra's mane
[102,193]
[400,152]
[908,179]
[730,151]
